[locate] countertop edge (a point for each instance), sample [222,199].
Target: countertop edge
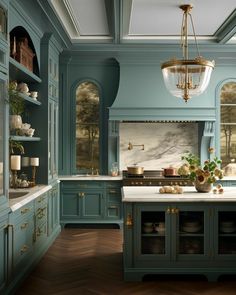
[90,177]
[151,194]
[17,203]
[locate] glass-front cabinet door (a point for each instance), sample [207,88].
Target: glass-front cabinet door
[193,234]
[171,232]
[152,233]
[225,231]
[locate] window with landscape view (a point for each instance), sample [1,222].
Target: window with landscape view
[87,127]
[228,128]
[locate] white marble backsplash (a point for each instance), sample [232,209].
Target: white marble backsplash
[164,144]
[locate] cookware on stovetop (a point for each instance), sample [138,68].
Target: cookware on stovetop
[170,171]
[135,170]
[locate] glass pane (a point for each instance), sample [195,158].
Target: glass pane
[227,232]
[228,130]
[228,114]
[2,91]
[228,93]
[191,232]
[228,149]
[153,233]
[87,127]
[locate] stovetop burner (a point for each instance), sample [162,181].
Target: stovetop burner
[153,178]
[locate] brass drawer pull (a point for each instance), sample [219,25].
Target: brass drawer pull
[25,210]
[129,220]
[24,249]
[113,207]
[112,191]
[81,194]
[24,225]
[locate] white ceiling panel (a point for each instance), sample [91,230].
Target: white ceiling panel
[163,17]
[144,21]
[89,16]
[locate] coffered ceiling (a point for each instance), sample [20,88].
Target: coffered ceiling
[144,21]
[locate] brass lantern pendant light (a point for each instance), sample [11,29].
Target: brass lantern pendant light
[187,77]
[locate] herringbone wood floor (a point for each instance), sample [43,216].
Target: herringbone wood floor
[89,262]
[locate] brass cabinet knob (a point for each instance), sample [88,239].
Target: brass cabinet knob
[168,210]
[25,210]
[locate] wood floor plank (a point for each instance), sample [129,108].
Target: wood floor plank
[89,262]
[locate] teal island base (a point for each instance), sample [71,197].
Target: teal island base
[192,233]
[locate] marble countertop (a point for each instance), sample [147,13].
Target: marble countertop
[30,194]
[151,194]
[90,177]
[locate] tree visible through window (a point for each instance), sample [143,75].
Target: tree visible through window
[228,127]
[87,127]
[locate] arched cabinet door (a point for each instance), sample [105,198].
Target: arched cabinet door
[228,127]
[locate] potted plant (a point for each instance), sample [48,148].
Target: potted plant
[203,176]
[16,105]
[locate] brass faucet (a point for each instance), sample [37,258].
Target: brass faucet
[131,146]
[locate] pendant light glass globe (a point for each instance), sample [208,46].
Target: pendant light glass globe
[187,77]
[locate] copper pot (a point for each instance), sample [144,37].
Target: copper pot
[170,171]
[135,170]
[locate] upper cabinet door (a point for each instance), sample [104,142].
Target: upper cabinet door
[3,131]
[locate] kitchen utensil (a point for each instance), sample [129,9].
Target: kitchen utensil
[135,170]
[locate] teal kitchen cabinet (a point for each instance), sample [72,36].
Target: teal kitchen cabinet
[41,216]
[32,229]
[199,239]
[21,237]
[90,202]
[224,228]
[113,201]
[52,140]
[50,51]
[82,205]
[53,210]
[4,46]
[3,251]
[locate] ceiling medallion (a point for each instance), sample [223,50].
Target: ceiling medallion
[187,77]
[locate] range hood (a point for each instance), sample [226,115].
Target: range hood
[142,95]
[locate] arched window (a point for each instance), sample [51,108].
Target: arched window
[87,128]
[228,127]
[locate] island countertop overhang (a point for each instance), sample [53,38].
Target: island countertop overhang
[151,194]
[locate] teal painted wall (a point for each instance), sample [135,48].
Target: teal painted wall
[136,86]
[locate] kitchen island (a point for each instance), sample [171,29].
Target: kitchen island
[189,233]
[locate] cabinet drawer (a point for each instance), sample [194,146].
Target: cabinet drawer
[113,195]
[113,210]
[41,201]
[23,241]
[24,212]
[40,233]
[81,184]
[40,215]
[113,184]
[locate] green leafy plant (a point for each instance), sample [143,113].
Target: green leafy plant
[208,172]
[16,102]
[16,145]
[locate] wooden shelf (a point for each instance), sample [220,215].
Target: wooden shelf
[24,138]
[21,73]
[30,99]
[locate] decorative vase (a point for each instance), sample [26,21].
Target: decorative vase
[15,122]
[205,187]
